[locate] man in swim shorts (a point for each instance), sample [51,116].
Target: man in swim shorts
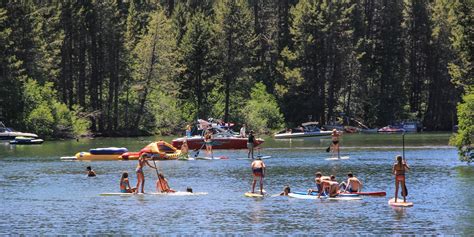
[353,184]
[331,185]
[258,171]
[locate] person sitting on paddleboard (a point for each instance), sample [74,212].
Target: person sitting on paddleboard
[90,172]
[208,142]
[286,190]
[258,170]
[142,162]
[162,185]
[184,149]
[319,177]
[335,142]
[399,169]
[332,185]
[125,184]
[353,184]
[250,144]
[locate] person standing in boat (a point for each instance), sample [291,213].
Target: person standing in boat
[188,130]
[242,131]
[142,162]
[250,144]
[208,142]
[399,170]
[335,142]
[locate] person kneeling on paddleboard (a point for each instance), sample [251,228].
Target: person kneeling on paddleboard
[319,177]
[162,185]
[258,171]
[332,185]
[353,184]
[125,184]
[398,170]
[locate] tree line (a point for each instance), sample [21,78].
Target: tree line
[141,67]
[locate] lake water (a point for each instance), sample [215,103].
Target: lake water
[42,195]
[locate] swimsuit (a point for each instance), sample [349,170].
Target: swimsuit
[123,187]
[335,142]
[400,177]
[257,171]
[139,170]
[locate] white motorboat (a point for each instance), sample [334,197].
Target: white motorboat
[10,134]
[309,129]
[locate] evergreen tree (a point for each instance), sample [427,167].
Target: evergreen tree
[233,21]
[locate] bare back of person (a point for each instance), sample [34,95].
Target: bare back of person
[354,184]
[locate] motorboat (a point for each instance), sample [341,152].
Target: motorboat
[26,141]
[221,139]
[391,129]
[10,134]
[309,129]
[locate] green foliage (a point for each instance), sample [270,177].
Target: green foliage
[47,116]
[465,135]
[262,112]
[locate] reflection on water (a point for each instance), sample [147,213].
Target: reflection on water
[43,195]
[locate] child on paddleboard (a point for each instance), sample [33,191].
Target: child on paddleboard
[90,172]
[162,185]
[258,171]
[125,184]
[331,185]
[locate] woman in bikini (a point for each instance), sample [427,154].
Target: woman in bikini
[140,175]
[398,170]
[208,142]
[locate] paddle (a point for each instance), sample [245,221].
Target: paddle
[404,160]
[197,153]
[329,148]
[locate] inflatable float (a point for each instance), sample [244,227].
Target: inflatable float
[161,150]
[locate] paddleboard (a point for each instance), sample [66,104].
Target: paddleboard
[339,195]
[211,158]
[341,158]
[306,196]
[254,195]
[399,203]
[68,158]
[261,157]
[179,193]
[381,193]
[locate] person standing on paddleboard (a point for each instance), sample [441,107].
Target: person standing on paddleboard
[258,171]
[335,142]
[142,162]
[250,144]
[399,169]
[208,142]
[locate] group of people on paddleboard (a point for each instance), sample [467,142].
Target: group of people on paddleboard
[161,184]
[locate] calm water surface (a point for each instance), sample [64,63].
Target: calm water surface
[42,195]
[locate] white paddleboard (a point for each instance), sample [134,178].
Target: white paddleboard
[399,203]
[341,158]
[68,158]
[305,196]
[261,157]
[179,193]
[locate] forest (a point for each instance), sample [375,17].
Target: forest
[136,67]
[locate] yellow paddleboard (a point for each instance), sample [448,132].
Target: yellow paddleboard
[399,203]
[254,195]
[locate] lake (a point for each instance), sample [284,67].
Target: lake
[43,195]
